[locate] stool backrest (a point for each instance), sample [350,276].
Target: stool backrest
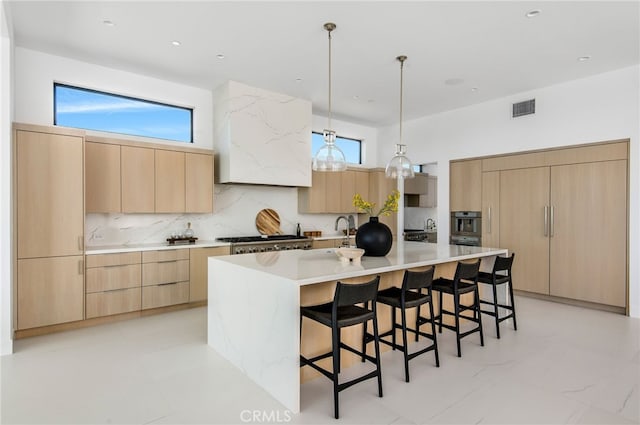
[356,293]
[466,271]
[503,264]
[417,280]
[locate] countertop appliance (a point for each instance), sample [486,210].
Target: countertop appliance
[466,228]
[250,244]
[417,235]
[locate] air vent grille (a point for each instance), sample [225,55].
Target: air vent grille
[527,107]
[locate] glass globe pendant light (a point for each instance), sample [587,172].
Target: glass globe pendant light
[329,157]
[400,165]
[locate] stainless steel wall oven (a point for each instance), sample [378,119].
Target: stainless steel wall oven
[466,228]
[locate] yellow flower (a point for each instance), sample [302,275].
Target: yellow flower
[390,205]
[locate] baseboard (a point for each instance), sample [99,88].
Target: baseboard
[569,301]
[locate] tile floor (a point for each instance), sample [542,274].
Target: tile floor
[563,365]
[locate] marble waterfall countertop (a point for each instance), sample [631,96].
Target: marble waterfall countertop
[305,267]
[254,303]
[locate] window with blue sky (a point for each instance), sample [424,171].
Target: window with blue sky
[351,148]
[94,110]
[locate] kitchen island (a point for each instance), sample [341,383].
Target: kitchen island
[255,299]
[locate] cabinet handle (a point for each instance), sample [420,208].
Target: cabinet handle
[546,220]
[489,221]
[118,290]
[110,266]
[80,243]
[170,283]
[80,266]
[168,261]
[553,226]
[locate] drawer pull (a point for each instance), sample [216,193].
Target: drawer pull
[110,266]
[170,283]
[168,261]
[118,290]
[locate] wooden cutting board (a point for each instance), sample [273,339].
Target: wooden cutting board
[268,222]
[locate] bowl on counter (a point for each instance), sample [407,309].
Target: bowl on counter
[350,255]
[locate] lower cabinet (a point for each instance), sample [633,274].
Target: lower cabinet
[113,283]
[165,278]
[332,243]
[50,291]
[198,270]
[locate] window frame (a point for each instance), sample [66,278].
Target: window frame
[345,138]
[121,96]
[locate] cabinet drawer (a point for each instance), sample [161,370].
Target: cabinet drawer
[113,302]
[164,295]
[113,277]
[165,255]
[165,272]
[103,260]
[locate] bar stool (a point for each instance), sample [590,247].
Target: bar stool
[464,281]
[500,275]
[342,312]
[410,296]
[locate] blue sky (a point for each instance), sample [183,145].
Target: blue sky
[99,111]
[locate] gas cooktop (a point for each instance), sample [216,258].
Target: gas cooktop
[264,238]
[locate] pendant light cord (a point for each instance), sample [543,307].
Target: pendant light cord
[329,125]
[401,59]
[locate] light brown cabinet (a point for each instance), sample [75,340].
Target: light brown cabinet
[198,183]
[332,192]
[199,270]
[563,212]
[465,182]
[380,187]
[113,284]
[138,179]
[332,243]
[429,196]
[49,207]
[102,178]
[418,185]
[170,181]
[165,278]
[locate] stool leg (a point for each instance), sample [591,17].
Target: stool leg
[376,343]
[335,337]
[456,307]
[405,343]
[479,315]
[495,308]
[440,306]
[433,332]
[513,305]
[393,327]
[418,319]
[364,340]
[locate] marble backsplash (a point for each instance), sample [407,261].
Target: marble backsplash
[235,210]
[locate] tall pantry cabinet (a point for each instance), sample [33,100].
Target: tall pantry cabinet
[564,213]
[49,214]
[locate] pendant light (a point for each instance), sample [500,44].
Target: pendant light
[400,165]
[329,157]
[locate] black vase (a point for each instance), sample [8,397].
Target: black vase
[374,237]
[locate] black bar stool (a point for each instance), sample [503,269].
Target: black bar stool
[500,275]
[342,312]
[464,281]
[410,296]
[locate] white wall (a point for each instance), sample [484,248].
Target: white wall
[599,108]
[6,113]
[36,72]
[368,135]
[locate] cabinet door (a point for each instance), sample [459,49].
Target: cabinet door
[50,202]
[589,234]
[465,193]
[347,190]
[199,183]
[138,179]
[312,199]
[362,187]
[524,194]
[491,209]
[333,194]
[170,178]
[50,291]
[430,199]
[379,188]
[199,270]
[416,185]
[102,178]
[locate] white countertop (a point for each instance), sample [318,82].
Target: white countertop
[319,265]
[114,249]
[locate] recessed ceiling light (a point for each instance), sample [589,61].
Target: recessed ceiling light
[176,43]
[298,80]
[454,81]
[108,23]
[356,97]
[533,13]
[220,56]
[474,89]
[370,100]
[584,58]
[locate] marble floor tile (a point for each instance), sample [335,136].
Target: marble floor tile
[564,364]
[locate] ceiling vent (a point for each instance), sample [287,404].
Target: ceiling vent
[527,107]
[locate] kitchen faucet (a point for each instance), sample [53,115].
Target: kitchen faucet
[430,224]
[345,241]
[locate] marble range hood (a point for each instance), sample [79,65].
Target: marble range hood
[261,137]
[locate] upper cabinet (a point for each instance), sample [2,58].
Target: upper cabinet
[332,192]
[134,177]
[465,180]
[416,185]
[421,191]
[262,137]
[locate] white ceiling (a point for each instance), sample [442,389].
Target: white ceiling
[492,46]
